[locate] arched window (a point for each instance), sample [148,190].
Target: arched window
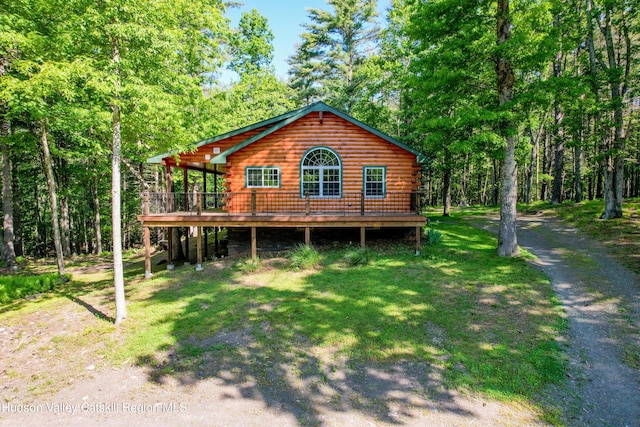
[321,173]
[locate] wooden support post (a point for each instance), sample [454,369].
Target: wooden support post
[215,190]
[254,244]
[147,238]
[418,231]
[307,236]
[199,249]
[199,203]
[362,234]
[187,209]
[169,183]
[253,202]
[170,265]
[204,202]
[362,202]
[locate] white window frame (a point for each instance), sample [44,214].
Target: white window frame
[263,170]
[365,181]
[321,169]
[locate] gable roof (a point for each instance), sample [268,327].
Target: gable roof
[278,122]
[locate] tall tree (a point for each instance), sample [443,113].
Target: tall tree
[251,45]
[612,53]
[153,58]
[507,238]
[328,62]
[7,194]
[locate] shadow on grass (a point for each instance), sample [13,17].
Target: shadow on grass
[390,340]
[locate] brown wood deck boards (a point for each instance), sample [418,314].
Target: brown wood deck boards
[210,219]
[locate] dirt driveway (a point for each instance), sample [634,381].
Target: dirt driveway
[601,300]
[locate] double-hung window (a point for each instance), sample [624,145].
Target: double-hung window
[262,177]
[374,181]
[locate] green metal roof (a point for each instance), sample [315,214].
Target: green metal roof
[279,122]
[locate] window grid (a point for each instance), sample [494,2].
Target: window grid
[374,181]
[258,177]
[321,173]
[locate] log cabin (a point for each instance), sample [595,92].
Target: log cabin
[309,168]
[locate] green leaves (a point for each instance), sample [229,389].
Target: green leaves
[328,62]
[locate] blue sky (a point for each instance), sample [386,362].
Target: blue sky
[285,20]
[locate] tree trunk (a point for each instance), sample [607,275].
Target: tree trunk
[558,132]
[507,239]
[51,185]
[118,268]
[96,204]
[65,226]
[558,163]
[446,190]
[577,172]
[535,142]
[495,188]
[7,197]
[18,241]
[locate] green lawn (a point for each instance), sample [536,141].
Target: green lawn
[484,324]
[489,324]
[621,236]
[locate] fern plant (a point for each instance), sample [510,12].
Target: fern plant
[304,257]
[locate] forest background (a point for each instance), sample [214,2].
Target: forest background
[519,100]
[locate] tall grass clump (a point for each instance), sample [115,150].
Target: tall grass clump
[357,257]
[432,235]
[249,265]
[16,287]
[304,257]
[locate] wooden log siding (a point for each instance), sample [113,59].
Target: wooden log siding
[355,146]
[199,155]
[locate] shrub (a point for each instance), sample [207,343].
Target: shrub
[249,265]
[433,236]
[19,286]
[357,257]
[304,257]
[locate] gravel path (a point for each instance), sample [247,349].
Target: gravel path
[602,302]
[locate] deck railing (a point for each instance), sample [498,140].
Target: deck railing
[280,202]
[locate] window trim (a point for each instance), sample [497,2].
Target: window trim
[384,182]
[262,169]
[321,169]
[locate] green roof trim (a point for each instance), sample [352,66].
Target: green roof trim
[222,157]
[281,121]
[158,158]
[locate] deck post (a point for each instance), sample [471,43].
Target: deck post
[169,183]
[147,238]
[253,202]
[418,231]
[199,248]
[254,249]
[186,208]
[307,203]
[205,229]
[199,231]
[307,236]
[362,235]
[362,202]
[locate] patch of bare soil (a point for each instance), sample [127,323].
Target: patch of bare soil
[362,396]
[601,299]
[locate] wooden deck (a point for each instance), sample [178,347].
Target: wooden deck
[294,220]
[306,219]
